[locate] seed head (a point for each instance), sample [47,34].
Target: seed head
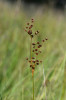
[40,61]
[33,50]
[39,51]
[33,61]
[37,60]
[33,58]
[29,61]
[43,40]
[37,42]
[32,19]
[36,49]
[33,67]
[30,65]
[32,36]
[27,23]
[30,32]
[33,43]
[46,38]
[36,53]
[37,63]
[26,27]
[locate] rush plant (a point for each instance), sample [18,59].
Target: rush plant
[35,49]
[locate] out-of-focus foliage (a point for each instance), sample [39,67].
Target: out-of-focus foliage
[15,73]
[56,3]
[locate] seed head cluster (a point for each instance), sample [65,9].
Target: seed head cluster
[35,47]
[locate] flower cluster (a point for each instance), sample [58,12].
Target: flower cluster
[29,27]
[35,47]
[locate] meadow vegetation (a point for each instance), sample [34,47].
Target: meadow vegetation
[15,73]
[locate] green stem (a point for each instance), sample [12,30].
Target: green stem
[33,86]
[31,50]
[31,63]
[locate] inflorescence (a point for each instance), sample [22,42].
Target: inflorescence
[35,47]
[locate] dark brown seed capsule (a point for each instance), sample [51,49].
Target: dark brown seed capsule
[37,60]
[33,46]
[30,32]
[40,61]
[33,58]
[36,53]
[30,27]
[27,23]
[46,39]
[32,19]
[26,27]
[30,65]
[36,49]
[33,61]
[37,63]
[29,61]
[37,42]
[32,36]
[43,40]
[40,45]
[33,43]
[33,50]
[39,51]
[33,67]
[37,31]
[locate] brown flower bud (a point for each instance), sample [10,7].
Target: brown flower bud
[30,32]
[33,58]
[33,43]
[39,51]
[36,53]
[37,42]
[36,49]
[37,60]
[29,61]
[30,65]
[40,45]
[33,50]
[33,61]
[46,38]
[36,33]
[33,67]
[33,46]
[26,27]
[37,63]
[27,23]
[32,36]
[32,19]
[43,40]
[40,61]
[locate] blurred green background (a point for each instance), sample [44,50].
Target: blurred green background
[15,73]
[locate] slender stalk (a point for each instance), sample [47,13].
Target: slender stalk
[31,50]
[31,63]
[33,86]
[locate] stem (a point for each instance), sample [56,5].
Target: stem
[31,50]
[31,63]
[33,86]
